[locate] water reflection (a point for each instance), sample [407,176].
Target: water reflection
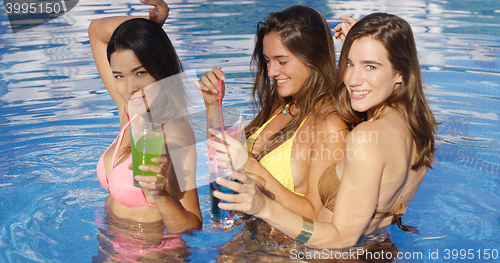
[56,118]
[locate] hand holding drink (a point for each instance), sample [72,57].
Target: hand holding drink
[147,142]
[228,147]
[225,148]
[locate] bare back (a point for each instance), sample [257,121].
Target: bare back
[375,174]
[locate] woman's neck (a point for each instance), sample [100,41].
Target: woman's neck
[376,111]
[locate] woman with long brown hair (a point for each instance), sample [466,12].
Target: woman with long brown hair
[296,134]
[388,152]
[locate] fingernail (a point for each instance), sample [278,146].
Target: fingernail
[137,177]
[205,88]
[218,179]
[214,91]
[215,193]
[142,166]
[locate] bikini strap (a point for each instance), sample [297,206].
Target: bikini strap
[396,218]
[119,142]
[251,140]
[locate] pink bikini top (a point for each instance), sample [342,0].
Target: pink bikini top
[119,183]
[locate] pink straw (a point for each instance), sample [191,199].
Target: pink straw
[212,151]
[220,105]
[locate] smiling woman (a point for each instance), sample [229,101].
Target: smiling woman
[294,58]
[282,65]
[294,137]
[134,56]
[370,76]
[130,76]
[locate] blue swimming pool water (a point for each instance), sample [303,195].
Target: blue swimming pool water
[56,119]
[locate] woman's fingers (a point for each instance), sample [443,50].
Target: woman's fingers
[224,137]
[235,151]
[197,84]
[210,82]
[159,12]
[242,177]
[249,198]
[220,147]
[208,86]
[229,156]
[151,168]
[219,73]
[155,179]
[161,159]
[258,179]
[348,19]
[343,28]
[151,182]
[242,185]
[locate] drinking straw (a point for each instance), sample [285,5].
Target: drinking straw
[214,153]
[222,122]
[147,106]
[216,170]
[220,105]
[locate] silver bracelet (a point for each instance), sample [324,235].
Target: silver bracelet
[307,230]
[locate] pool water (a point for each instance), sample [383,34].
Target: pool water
[56,119]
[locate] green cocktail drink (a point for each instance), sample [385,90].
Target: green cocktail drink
[148,143]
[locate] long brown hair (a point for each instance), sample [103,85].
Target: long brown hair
[305,32]
[408,99]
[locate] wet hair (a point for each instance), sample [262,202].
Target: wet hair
[408,99]
[307,35]
[157,55]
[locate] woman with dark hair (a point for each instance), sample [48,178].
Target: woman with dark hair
[136,62]
[388,153]
[296,134]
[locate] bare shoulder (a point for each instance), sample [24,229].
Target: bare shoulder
[180,132]
[392,127]
[379,135]
[327,121]
[370,138]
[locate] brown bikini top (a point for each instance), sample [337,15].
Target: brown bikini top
[328,187]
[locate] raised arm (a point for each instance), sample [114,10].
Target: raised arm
[100,32]
[208,88]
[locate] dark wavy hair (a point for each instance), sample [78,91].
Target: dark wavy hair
[408,99]
[157,55]
[305,32]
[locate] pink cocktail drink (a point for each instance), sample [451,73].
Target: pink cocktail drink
[219,217]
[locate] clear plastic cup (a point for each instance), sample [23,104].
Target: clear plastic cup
[146,142]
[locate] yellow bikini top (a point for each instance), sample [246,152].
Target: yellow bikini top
[278,161]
